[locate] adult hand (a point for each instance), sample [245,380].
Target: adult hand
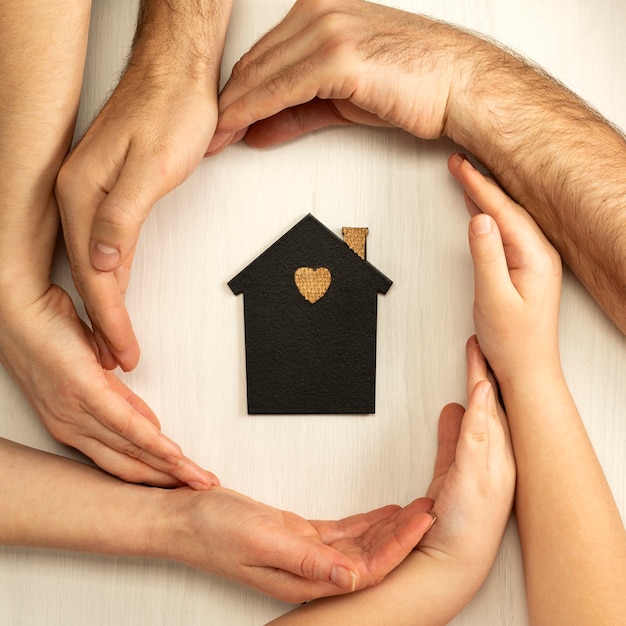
[286,556]
[516,270]
[48,350]
[147,139]
[473,487]
[345,61]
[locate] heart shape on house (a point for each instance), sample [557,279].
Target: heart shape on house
[312,284]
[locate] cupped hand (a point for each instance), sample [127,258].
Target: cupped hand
[52,355]
[337,62]
[289,557]
[474,480]
[517,278]
[147,139]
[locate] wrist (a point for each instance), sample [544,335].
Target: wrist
[172,533]
[180,36]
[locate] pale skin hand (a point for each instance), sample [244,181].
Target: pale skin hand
[294,559]
[473,485]
[85,406]
[148,138]
[43,343]
[516,306]
[347,61]
[219,531]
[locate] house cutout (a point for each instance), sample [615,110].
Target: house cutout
[310,304]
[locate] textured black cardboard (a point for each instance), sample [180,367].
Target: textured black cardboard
[310,358]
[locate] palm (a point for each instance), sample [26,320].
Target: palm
[292,558]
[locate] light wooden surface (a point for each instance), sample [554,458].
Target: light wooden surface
[191,326]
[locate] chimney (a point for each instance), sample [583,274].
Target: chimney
[355,239]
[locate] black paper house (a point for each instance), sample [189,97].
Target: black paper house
[310,304]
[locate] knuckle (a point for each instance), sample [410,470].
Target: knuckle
[130,449]
[114,218]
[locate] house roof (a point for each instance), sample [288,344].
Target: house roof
[315,245]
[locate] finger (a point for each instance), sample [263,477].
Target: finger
[105,357]
[220,141]
[354,525]
[126,468]
[447,437]
[289,75]
[472,207]
[130,432]
[294,122]
[131,398]
[515,223]
[472,451]
[477,369]
[313,561]
[119,218]
[492,281]
[260,59]
[393,547]
[118,456]
[113,329]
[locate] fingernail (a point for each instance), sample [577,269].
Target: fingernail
[343,577]
[481,224]
[104,257]
[433,521]
[173,460]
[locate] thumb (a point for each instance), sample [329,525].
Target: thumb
[319,562]
[119,218]
[491,272]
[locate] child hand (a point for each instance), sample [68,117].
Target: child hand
[517,279]
[473,482]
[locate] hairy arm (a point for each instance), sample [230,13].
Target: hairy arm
[147,139]
[350,61]
[557,157]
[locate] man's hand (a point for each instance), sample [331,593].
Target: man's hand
[48,350]
[339,62]
[148,138]
[286,556]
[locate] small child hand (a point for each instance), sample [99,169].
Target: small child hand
[474,479]
[517,278]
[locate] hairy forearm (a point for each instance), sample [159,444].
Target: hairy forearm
[573,539]
[52,502]
[43,46]
[187,35]
[554,155]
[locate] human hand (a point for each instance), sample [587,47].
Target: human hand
[517,279]
[286,556]
[147,139]
[51,354]
[473,483]
[340,62]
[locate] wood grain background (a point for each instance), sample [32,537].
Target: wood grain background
[190,325]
